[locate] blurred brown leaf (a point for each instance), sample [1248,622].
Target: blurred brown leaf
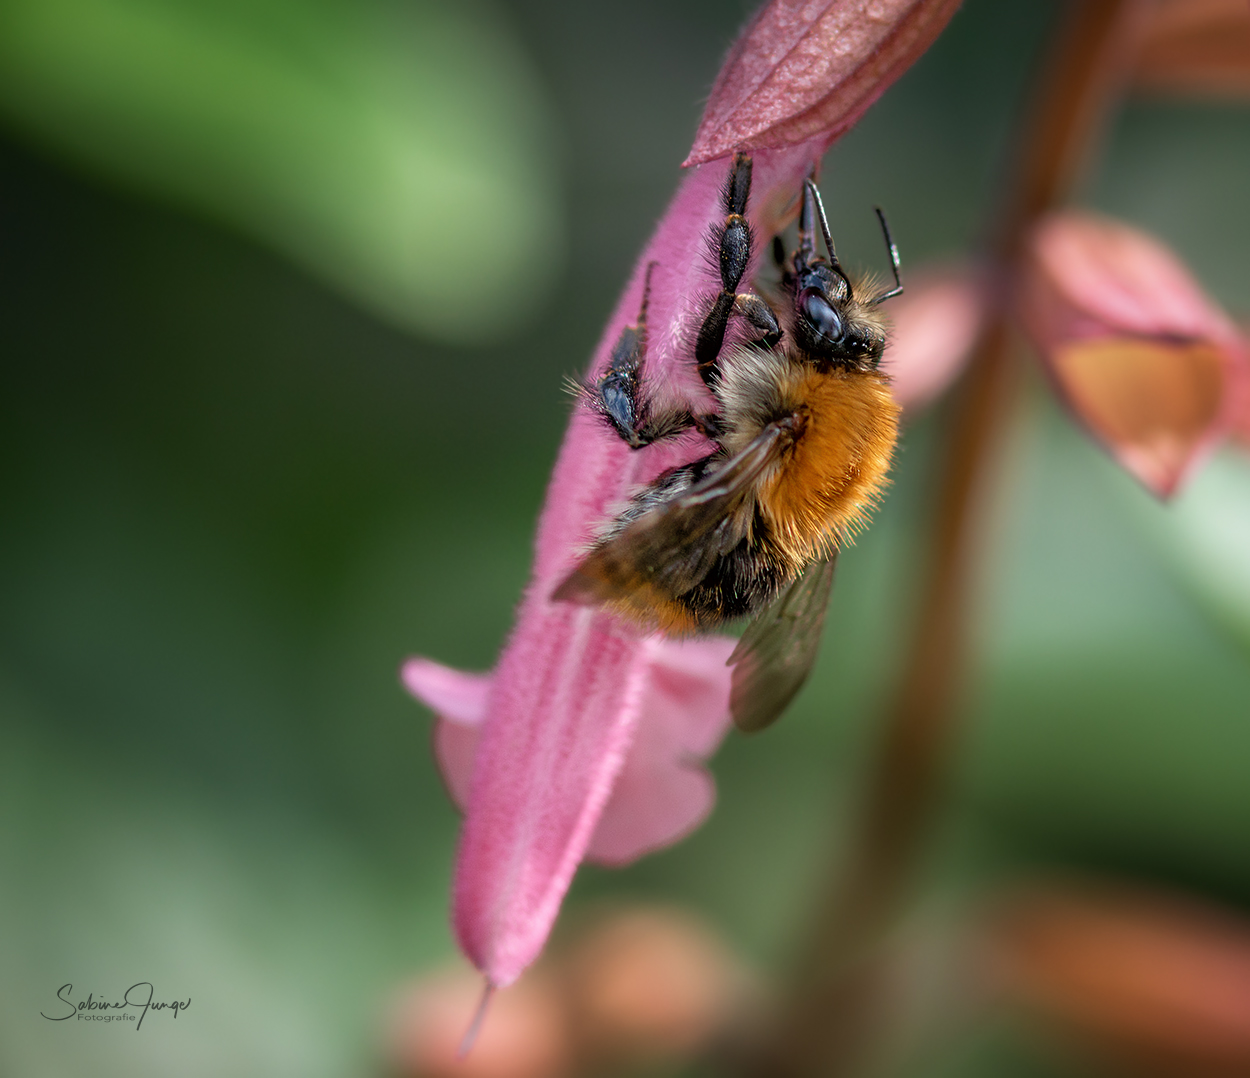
[1147,978]
[1196,47]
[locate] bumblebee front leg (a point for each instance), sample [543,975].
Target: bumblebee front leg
[619,394]
[733,255]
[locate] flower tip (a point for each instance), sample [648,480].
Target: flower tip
[475,1023]
[527,1035]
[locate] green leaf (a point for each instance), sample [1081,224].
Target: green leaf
[400,150]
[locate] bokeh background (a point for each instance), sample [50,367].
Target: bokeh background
[289,291]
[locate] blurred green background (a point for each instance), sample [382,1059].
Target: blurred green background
[289,289]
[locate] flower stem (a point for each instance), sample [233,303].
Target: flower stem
[831,1003]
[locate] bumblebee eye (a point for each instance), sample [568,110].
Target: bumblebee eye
[825,321]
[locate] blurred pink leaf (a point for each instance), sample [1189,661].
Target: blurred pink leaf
[803,71]
[936,324]
[649,984]
[1148,363]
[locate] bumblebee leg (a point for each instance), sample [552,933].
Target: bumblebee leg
[760,315]
[618,395]
[733,255]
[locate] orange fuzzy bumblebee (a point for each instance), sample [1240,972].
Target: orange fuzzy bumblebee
[804,436]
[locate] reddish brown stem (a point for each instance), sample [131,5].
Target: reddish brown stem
[832,1003]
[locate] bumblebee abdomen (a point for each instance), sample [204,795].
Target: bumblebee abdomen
[837,470]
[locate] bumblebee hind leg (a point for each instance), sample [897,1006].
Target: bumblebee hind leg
[733,242]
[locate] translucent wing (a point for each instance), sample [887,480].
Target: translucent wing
[775,654]
[671,548]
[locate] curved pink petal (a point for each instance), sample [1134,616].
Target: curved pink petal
[936,324]
[459,701]
[663,792]
[809,70]
[1147,362]
[452,694]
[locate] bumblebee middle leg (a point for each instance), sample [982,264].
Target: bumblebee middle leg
[733,255]
[619,395]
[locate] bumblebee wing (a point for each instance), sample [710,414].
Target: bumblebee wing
[671,548]
[775,654]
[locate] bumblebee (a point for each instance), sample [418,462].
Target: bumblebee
[804,431]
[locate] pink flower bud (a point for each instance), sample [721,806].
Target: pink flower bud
[936,323]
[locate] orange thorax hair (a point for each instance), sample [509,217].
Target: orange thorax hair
[822,492]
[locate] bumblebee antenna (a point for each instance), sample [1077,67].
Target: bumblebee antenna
[897,290]
[813,201]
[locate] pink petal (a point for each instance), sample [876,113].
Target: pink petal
[459,701]
[936,324]
[1147,362]
[449,693]
[570,687]
[809,70]
[663,792]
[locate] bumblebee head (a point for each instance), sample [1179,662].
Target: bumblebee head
[834,328]
[830,323]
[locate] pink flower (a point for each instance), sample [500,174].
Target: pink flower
[1151,366]
[1141,356]
[587,737]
